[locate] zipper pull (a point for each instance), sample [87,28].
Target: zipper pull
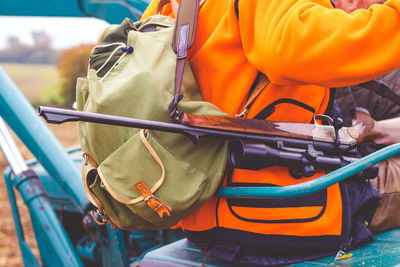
[243,114]
[341,254]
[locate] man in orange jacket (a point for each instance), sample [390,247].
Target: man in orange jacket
[304,47]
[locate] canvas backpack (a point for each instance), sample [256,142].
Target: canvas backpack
[136,178]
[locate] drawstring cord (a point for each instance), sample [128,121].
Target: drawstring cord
[127,49]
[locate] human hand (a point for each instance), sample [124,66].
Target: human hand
[351,5]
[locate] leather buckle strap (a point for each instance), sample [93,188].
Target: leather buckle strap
[186,17]
[173,106]
[162,209]
[87,158]
[100,217]
[184,32]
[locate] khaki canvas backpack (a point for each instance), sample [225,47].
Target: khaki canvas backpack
[141,179]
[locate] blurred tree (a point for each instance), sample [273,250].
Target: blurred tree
[73,64]
[13,41]
[41,40]
[15,50]
[41,52]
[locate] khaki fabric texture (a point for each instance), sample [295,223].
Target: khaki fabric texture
[141,85]
[387,214]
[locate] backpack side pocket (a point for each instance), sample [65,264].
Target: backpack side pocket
[82,92]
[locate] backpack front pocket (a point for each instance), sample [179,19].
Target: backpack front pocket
[289,210]
[172,180]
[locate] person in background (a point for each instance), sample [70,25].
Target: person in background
[388,184]
[386,216]
[304,47]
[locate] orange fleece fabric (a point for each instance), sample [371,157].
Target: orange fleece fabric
[296,43]
[304,47]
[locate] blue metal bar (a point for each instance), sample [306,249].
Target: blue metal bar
[27,255]
[40,8]
[10,150]
[113,11]
[50,234]
[116,247]
[56,248]
[313,185]
[21,117]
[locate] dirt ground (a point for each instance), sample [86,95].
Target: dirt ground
[10,254]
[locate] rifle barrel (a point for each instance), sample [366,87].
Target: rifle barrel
[58,115]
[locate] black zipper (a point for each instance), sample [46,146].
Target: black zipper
[346,238]
[268,110]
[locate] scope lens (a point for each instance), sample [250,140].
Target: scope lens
[235,153]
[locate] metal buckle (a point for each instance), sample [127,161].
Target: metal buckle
[85,159]
[103,219]
[147,199]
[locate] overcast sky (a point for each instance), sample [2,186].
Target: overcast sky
[65,32]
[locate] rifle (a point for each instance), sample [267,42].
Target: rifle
[254,144]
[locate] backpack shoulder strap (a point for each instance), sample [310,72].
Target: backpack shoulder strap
[185,27]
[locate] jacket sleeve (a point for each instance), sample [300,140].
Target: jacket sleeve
[309,42]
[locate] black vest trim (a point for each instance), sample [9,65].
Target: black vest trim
[237,9]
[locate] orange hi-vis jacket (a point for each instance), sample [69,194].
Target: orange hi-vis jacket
[304,47]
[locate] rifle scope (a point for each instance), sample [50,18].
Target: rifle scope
[303,162]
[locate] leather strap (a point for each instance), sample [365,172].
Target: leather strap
[87,157]
[184,32]
[154,203]
[383,90]
[186,20]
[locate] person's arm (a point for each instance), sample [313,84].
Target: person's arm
[300,41]
[365,128]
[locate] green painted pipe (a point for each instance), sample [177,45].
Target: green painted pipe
[313,185]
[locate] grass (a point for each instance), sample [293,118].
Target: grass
[39,83]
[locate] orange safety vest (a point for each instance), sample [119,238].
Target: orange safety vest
[225,69]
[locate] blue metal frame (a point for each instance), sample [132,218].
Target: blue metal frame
[112,11]
[54,244]
[27,255]
[55,247]
[20,116]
